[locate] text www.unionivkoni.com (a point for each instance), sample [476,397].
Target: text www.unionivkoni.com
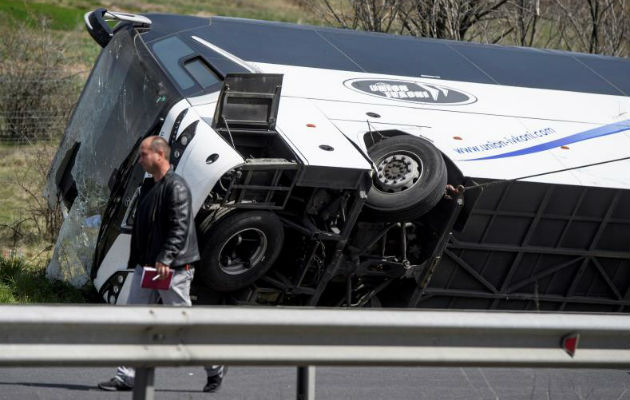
[506,141]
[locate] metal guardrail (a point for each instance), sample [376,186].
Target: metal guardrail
[164,336]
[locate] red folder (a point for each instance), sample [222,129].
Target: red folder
[151,279]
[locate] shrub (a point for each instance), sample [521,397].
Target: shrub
[38,92]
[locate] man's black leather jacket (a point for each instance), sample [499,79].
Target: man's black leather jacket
[164,229]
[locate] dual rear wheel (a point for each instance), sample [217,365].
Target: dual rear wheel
[410,178]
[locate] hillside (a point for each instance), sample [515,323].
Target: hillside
[65,15]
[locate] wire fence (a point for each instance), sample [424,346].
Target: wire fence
[32,125]
[32,129]
[34,106]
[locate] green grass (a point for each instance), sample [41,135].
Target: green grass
[66,15]
[65,18]
[58,17]
[24,283]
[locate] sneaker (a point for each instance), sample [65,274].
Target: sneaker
[213,384]
[114,385]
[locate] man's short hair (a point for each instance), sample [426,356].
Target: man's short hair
[159,144]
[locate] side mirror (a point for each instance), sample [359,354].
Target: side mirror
[101,32]
[97,26]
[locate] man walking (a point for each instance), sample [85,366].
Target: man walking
[163,237]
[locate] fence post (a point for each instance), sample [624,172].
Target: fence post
[306,383]
[143,388]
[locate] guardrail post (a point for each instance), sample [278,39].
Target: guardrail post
[143,388]
[306,383]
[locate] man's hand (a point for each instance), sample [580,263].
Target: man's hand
[162,269]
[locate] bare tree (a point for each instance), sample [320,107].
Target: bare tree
[614,30]
[368,15]
[527,13]
[593,26]
[449,19]
[515,23]
[377,15]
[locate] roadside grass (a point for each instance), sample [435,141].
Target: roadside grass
[24,251]
[68,14]
[59,17]
[20,183]
[65,19]
[273,10]
[80,52]
[23,283]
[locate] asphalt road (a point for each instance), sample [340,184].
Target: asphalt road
[365,383]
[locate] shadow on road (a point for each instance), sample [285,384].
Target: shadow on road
[84,388]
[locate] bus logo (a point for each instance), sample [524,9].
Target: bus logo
[416,92]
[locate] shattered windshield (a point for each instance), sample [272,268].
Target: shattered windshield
[122,101]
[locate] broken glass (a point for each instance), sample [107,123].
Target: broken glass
[121,103]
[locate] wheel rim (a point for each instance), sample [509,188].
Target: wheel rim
[397,172]
[242,251]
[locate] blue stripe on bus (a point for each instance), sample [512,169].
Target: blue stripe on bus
[578,137]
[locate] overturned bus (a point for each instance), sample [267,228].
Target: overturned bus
[339,168]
